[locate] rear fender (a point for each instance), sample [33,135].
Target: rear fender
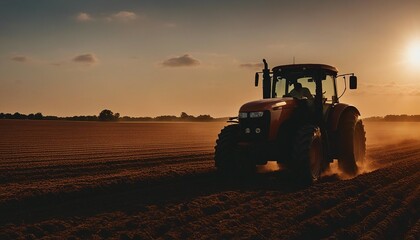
[335,114]
[334,117]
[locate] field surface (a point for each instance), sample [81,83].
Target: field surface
[157,180]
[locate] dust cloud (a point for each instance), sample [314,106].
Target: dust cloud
[271,166]
[386,133]
[380,134]
[368,165]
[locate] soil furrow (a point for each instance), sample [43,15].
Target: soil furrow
[157,181]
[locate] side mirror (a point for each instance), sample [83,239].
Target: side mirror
[353,82]
[257,77]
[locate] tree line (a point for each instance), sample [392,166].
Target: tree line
[109,116]
[395,118]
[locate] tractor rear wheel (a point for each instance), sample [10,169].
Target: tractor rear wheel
[352,143]
[359,142]
[228,159]
[307,155]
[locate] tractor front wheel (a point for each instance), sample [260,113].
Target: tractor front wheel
[228,159]
[307,155]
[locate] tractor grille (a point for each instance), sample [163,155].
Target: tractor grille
[255,129]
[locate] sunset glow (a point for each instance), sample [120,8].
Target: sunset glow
[151,58]
[413,54]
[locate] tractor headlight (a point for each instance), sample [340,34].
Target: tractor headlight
[243,115]
[256,114]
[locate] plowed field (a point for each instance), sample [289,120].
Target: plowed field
[156,180]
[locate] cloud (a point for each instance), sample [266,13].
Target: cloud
[390,88]
[88,58]
[83,17]
[415,92]
[252,65]
[123,16]
[19,59]
[182,61]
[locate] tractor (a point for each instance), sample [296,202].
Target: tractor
[299,123]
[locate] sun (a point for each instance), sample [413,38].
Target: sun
[413,54]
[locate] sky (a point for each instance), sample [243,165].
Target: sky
[150,58]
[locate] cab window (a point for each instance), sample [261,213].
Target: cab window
[328,88]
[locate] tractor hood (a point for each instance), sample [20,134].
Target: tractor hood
[268,104]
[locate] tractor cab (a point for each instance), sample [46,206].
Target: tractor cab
[303,81]
[312,85]
[320,79]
